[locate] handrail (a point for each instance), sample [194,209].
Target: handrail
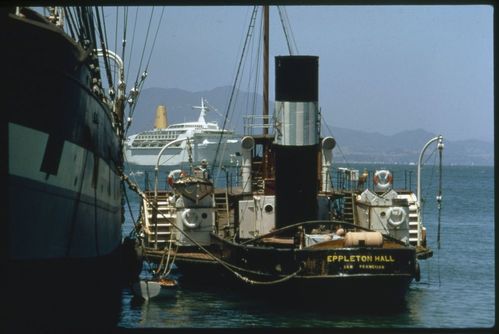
[156,169]
[440,147]
[251,122]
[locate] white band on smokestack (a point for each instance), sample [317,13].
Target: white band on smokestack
[296,123]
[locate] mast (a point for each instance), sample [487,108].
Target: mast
[265,70]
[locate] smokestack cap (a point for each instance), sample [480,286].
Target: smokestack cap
[297,78]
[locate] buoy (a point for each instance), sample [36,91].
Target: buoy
[383,179]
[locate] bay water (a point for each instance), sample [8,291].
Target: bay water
[456,290]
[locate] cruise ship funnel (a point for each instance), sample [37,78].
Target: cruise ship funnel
[161,121]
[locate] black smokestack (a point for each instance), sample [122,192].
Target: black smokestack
[297,138]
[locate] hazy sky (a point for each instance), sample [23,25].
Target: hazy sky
[382,68]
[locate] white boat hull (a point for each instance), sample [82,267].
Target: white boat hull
[145,158]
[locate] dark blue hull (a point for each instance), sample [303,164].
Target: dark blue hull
[64,209]
[64,154]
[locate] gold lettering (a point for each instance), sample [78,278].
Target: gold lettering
[332,258]
[360,258]
[384,258]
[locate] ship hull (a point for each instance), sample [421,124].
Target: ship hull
[348,275]
[64,212]
[338,292]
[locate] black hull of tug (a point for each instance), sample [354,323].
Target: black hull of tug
[338,292]
[356,275]
[64,209]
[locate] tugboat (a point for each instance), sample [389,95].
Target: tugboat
[286,230]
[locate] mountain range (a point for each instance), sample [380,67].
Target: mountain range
[352,145]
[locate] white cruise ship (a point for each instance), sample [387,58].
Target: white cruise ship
[201,137]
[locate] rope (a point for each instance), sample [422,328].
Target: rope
[155,37]
[257,77]
[83,28]
[116,30]
[68,14]
[133,40]
[316,222]
[231,268]
[227,113]
[169,267]
[144,74]
[282,17]
[104,49]
[125,26]
[137,226]
[167,253]
[144,48]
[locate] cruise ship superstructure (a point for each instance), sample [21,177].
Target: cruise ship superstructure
[203,139]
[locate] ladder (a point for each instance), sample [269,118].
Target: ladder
[413,217]
[224,215]
[165,218]
[348,207]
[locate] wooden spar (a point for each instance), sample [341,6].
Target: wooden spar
[265,70]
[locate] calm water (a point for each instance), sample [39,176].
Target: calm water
[457,287]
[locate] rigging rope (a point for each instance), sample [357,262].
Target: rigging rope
[104,49]
[125,26]
[144,74]
[155,37]
[144,48]
[283,18]
[257,77]
[231,268]
[227,113]
[70,22]
[116,31]
[82,31]
[133,39]
[258,63]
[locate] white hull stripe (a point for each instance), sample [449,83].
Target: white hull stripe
[27,153]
